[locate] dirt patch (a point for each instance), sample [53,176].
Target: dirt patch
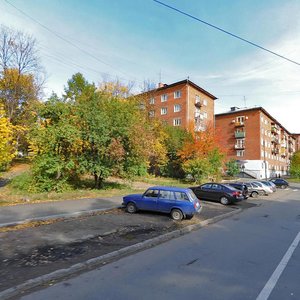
[31,252]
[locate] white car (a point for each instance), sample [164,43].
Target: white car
[266,188]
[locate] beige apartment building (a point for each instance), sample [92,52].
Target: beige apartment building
[182,103]
[260,144]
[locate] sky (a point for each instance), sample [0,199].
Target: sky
[138,40]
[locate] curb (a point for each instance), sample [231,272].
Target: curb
[103,259]
[58,216]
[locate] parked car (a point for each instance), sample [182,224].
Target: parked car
[223,193]
[241,187]
[179,202]
[268,190]
[269,184]
[279,182]
[254,189]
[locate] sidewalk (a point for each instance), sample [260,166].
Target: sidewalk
[10,215]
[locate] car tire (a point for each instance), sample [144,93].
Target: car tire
[131,208]
[176,214]
[283,186]
[224,200]
[254,194]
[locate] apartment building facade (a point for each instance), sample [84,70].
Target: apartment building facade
[257,141]
[182,103]
[297,138]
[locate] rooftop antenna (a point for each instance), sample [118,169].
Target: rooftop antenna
[245,102]
[159,74]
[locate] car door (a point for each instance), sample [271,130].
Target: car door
[149,200]
[203,191]
[216,192]
[166,201]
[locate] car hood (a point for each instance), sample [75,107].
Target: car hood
[133,196]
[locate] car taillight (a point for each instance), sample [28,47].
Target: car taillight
[236,194]
[196,204]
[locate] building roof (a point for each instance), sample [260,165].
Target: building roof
[236,110]
[185,81]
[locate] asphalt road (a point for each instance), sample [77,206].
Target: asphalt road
[18,213]
[238,258]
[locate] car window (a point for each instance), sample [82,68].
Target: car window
[192,195]
[181,196]
[254,184]
[216,187]
[206,186]
[151,193]
[167,195]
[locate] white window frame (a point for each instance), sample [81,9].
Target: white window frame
[151,113]
[177,108]
[240,153]
[177,122]
[177,94]
[197,99]
[164,98]
[163,110]
[152,100]
[205,115]
[205,102]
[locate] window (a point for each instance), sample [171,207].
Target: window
[164,97]
[177,107]
[240,119]
[204,102]
[151,193]
[205,114]
[167,195]
[197,99]
[240,153]
[177,94]
[177,122]
[181,196]
[163,111]
[151,113]
[151,101]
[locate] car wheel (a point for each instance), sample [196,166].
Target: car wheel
[283,186]
[131,208]
[254,194]
[224,201]
[176,214]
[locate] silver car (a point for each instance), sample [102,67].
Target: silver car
[270,184]
[267,189]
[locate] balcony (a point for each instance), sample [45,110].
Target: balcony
[239,146]
[239,124]
[291,149]
[198,104]
[239,134]
[275,150]
[275,140]
[274,130]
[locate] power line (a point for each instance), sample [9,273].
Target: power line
[225,31]
[64,39]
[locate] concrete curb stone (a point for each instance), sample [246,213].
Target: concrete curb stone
[103,259]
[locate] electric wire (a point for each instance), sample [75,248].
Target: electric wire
[64,39]
[225,31]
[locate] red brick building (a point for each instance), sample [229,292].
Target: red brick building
[261,145]
[297,138]
[182,103]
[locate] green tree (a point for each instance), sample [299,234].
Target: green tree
[232,167]
[6,140]
[295,165]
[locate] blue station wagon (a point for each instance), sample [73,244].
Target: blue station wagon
[179,202]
